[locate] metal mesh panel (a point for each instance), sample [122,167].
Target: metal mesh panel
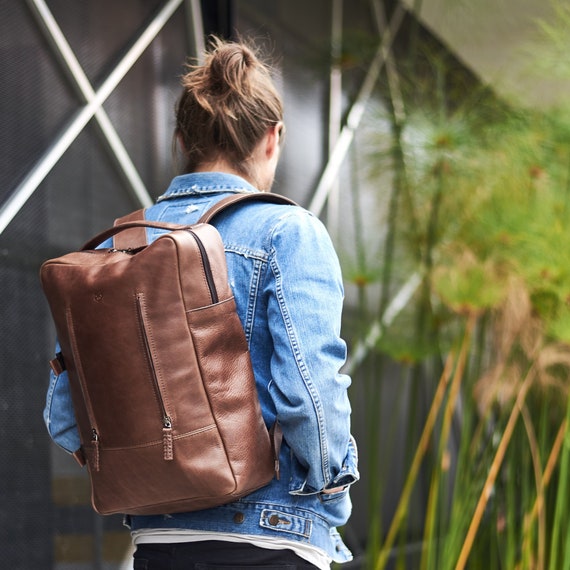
[35,99]
[99,32]
[25,506]
[82,194]
[302,61]
[142,106]
[45,517]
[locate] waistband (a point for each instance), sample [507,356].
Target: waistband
[262,519]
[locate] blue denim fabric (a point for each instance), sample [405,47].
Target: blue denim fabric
[288,289]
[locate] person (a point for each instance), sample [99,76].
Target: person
[287,283]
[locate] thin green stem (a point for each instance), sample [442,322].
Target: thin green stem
[493,472]
[560,523]
[423,445]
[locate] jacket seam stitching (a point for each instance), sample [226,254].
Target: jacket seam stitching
[301,366]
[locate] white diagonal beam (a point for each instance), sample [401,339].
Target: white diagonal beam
[21,194]
[392,72]
[355,115]
[78,75]
[398,303]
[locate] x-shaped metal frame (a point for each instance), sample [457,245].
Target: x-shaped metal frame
[93,103]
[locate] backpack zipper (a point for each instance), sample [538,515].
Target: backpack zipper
[83,386]
[167,441]
[207,268]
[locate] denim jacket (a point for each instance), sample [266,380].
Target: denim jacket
[287,284]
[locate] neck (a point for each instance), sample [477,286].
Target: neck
[221,165]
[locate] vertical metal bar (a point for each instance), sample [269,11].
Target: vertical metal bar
[355,114]
[406,292]
[195,24]
[77,74]
[335,108]
[21,194]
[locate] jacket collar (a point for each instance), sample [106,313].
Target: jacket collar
[200,183]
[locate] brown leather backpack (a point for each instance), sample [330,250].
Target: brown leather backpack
[159,368]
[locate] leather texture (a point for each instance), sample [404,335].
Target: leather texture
[159,368]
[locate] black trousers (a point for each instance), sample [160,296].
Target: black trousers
[213,555]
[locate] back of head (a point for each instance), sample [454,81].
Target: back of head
[227,106]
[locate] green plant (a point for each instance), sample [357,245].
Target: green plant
[478,207]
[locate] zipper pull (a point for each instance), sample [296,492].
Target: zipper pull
[95,443]
[276,436]
[167,439]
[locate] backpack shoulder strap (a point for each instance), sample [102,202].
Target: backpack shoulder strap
[231,200]
[133,237]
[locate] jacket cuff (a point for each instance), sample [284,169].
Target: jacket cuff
[347,475]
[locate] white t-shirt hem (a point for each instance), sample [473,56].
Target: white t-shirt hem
[307,552]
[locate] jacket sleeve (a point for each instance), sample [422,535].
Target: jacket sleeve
[59,416]
[306,295]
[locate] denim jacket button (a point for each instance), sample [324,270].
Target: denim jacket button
[239,518]
[273,520]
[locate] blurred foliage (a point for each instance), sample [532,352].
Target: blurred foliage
[476,198]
